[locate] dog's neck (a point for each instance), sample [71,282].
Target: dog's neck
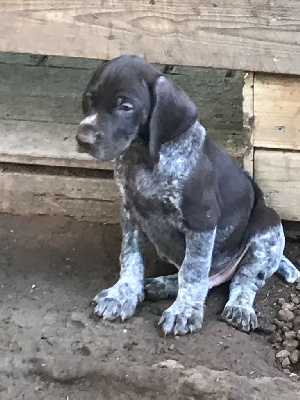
[196,134]
[188,146]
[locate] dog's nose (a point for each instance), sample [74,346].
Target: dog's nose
[86,134]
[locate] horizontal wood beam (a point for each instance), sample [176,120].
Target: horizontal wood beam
[32,193]
[252,35]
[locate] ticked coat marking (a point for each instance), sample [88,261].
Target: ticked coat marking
[183,192]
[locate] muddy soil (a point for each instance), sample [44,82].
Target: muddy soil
[51,348]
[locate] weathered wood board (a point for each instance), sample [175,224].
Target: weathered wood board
[248,119]
[278,174]
[43,143]
[40,107]
[277,112]
[251,35]
[91,199]
[272,120]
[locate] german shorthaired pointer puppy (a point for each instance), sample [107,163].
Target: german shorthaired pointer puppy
[184,193]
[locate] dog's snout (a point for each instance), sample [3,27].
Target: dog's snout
[86,134]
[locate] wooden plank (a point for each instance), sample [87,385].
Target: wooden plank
[248,119]
[91,199]
[277,111]
[26,142]
[40,108]
[48,61]
[252,35]
[278,174]
[42,94]
[64,83]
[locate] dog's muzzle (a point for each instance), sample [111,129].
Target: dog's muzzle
[86,135]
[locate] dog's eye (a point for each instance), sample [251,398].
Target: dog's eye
[124,105]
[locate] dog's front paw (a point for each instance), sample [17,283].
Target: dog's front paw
[181,318]
[118,301]
[241,317]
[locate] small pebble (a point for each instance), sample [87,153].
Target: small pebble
[276,337]
[289,335]
[286,328]
[278,323]
[290,345]
[289,325]
[285,315]
[78,319]
[297,323]
[288,306]
[281,301]
[296,300]
[169,364]
[298,334]
[283,354]
[294,357]
[285,362]
[286,371]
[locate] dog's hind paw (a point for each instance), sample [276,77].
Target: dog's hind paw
[162,287]
[288,270]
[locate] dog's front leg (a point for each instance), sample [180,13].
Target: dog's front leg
[121,299]
[186,313]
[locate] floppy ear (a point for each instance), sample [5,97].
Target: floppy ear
[173,113]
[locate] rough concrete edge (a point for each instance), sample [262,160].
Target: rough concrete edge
[169,379]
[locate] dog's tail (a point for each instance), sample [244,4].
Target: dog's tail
[288,270]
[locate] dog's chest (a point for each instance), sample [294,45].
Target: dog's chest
[154,198]
[151,192]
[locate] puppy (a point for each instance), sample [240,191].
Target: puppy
[184,193]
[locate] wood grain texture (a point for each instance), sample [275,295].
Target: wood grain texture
[252,35]
[248,118]
[277,111]
[278,174]
[92,199]
[42,143]
[40,108]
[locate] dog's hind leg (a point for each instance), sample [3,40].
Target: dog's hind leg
[262,260]
[162,287]
[288,270]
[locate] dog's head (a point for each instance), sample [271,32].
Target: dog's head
[128,99]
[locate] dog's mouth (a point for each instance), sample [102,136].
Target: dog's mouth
[102,154]
[88,149]
[82,149]
[83,146]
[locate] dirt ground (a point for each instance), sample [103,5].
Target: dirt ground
[50,347]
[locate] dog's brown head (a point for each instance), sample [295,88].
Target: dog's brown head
[128,99]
